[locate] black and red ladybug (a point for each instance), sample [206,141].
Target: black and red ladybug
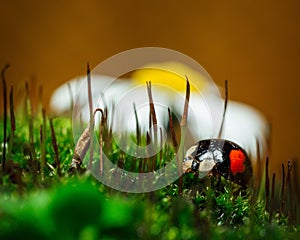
[219,156]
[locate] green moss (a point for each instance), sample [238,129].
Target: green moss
[79,207]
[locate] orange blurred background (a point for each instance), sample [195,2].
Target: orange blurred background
[253,44]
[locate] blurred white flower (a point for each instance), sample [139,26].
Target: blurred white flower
[243,124]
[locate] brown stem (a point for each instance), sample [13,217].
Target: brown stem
[183,123]
[152,112]
[173,134]
[282,190]
[100,138]
[12,121]
[225,108]
[186,104]
[55,148]
[4,114]
[267,184]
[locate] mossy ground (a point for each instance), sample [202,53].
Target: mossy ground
[41,199]
[43,204]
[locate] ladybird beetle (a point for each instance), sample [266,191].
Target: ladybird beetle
[219,156]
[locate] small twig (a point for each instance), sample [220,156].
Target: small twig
[4,114]
[81,148]
[183,123]
[90,100]
[89,88]
[296,182]
[273,186]
[151,104]
[267,184]
[42,143]
[138,138]
[161,147]
[141,165]
[40,98]
[120,164]
[12,121]
[109,128]
[100,138]
[150,120]
[12,114]
[137,126]
[29,115]
[152,111]
[43,157]
[33,161]
[225,108]
[172,130]
[55,148]
[82,145]
[121,160]
[149,165]
[186,104]
[296,190]
[282,190]
[258,164]
[289,193]
[272,201]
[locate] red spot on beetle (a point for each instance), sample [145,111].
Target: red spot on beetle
[237,159]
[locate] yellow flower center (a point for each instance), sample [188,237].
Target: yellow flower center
[171,74]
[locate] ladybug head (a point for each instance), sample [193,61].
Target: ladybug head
[201,167]
[190,164]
